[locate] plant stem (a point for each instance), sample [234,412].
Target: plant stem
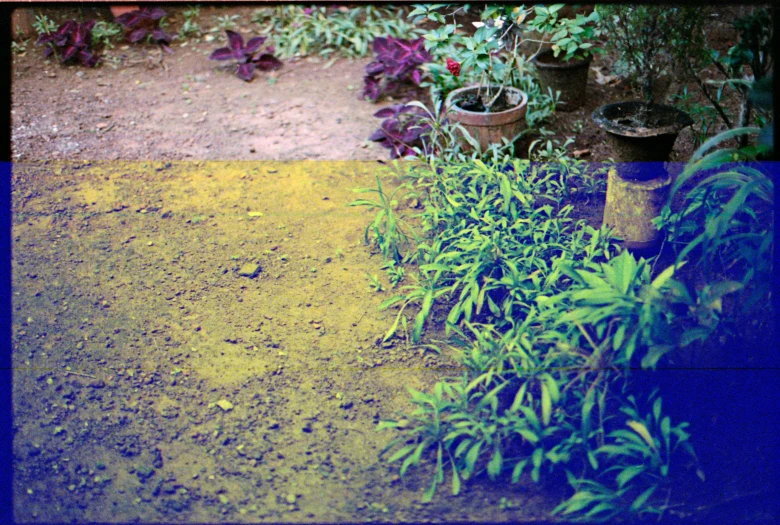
[707,94]
[489,105]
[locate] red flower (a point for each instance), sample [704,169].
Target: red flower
[453,67]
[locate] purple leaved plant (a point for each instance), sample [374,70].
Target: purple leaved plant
[404,129]
[245,55]
[143,24]
[397,61]
[71,41]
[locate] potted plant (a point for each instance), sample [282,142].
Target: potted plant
[563,64]
[489,109]
[641,35]
[640,130]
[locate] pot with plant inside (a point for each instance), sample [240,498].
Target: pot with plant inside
[640,34]
[488,113]
[642,133]
[490,110]
[563,60]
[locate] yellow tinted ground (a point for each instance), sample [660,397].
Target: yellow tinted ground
[131,322]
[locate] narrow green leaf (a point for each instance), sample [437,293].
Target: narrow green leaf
[386,424]
[455,479]
[414,458]
[629,473]
[518,470]
[495,464]
[401,453]
[462,446]
[419,321]
[638,502]
[552,386]
[471,459]
[576,503]
[546,405]
[617,340]
[528,434]
[598,509]
[665,275]
[592,460]
[641,429]
[439,466]
[428,496]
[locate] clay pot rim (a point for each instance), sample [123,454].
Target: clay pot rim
[473,118]
[599,116]
[557,63]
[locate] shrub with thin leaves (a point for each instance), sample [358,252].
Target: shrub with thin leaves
[549,324]
[536,400]
[332,31]
[495,234]
[726,221]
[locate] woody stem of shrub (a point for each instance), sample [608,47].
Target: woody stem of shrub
[707,94]
[512,62]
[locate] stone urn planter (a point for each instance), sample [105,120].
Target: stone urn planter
[642,137]
[633,204]
[641,132]
[466,109]
[568,77]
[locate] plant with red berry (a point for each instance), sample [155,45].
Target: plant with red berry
[487,56]
[453,67]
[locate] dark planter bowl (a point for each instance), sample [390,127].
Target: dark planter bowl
[489,128]
[570,78]
[633,142]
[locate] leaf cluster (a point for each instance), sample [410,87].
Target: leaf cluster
[725,222]
[145,24]
[397,61]
[572,36]
[72,41]
[246,55]
[332,31]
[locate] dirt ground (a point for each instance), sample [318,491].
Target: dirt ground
[133,327]
[153,381]
[191,109]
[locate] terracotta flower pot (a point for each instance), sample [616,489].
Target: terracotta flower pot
[22,20]
[568,77]
[639,132]
[488,128]
[120,9]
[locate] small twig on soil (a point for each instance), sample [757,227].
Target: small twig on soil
[361,318]
[68,372]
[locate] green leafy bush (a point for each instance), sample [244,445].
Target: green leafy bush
[550,326]
[726,221]
[349,32]
[492,231]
